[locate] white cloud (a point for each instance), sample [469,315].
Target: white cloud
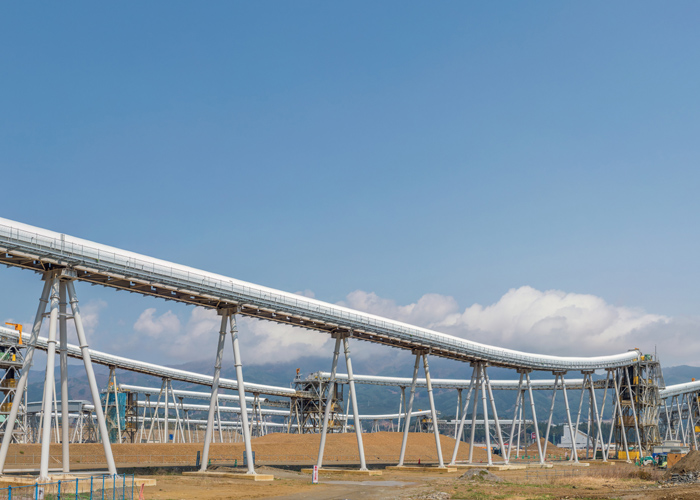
[155,326]
[430,309]
[262,342]
[546,322]
[552,322]
[265,342]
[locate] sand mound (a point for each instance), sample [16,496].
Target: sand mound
[689,463]
[552,450]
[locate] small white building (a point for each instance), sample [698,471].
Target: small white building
[581,439]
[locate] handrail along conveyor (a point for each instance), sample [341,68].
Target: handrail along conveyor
[30,247]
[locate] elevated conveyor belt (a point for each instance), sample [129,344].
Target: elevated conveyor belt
[445,383]
[679,389]
[103,358]
[39,249]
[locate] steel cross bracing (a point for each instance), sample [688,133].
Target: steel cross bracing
[105,359]
[679,414]
[38,249]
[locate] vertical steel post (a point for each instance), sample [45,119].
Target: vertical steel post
[166,412]
[116,405]
[634,414]
[49,382]
[402,404]
[407,418]
[63,349]
[499,434]
[602,413]
[622,420]
[475,407]
[57,437]
[521,424]
[329,400]
[26,365]
[214,390]
[596,415]
[487,427]
[345,422]
[534,416]
[551,413]
[178,421]
[355,410]
[668,434]
[87,361]
[515,415]
[578,415]
[457,410]
[465,411]
[433,411]
[155,412]
[241,394]
[679,426]
[574,452]
[691,415]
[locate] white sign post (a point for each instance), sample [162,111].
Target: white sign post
[314,475]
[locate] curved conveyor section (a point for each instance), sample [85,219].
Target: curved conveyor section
[679,389]
[446,383]
[34,248]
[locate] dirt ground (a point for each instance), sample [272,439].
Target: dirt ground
[598,481]
[273,449]
[619,481]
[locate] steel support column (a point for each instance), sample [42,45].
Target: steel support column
[22,384]
[87,362]
[465,411]
[574,453]
[534,416]
[241,394]
[63,349]
[518,402]
[329,400]
[49,382]
[477,383]
[355,410]
[433,411]
[499,434]
[407,418]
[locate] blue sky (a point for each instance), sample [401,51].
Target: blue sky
[398,149]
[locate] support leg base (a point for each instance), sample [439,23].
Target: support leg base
[232,475]
[354,472]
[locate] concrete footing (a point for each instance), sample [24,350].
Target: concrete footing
[490,467]
[355,472]
[232,475]
[421,468]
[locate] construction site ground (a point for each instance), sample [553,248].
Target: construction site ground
[621,481]
[290,452]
